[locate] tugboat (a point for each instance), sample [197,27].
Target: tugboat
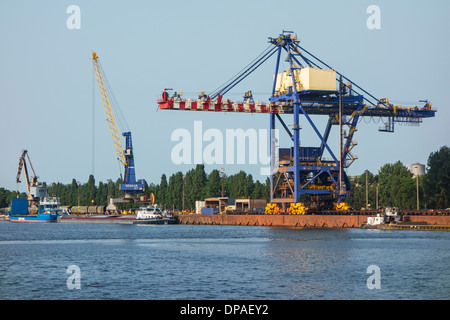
[48,211]
[152,214]
[382,220]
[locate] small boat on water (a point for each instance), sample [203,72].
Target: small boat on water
[48,211]
[152,214]
[382,220]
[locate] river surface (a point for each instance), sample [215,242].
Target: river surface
[114,261]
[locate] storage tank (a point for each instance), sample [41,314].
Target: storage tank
[417,169]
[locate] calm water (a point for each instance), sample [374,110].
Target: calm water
[219,262]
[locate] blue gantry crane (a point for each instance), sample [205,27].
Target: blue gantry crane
[307,87]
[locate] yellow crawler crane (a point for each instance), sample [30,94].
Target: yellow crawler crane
[297,208]
[272,208]
[294,209]
[341,206]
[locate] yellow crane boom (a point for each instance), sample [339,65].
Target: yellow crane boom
[108,111]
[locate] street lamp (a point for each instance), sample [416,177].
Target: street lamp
[78,182]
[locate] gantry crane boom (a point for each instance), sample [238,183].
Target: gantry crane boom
[108,111]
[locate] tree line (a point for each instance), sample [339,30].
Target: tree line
[179,191]
[393,185]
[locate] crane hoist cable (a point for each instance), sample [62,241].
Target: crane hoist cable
[115,106]
[247,70]
[218,89]
[378,101]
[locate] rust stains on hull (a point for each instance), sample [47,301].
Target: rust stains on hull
[299,221]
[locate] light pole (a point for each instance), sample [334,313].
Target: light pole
[78,193]
[377,195]
[367,191]
[184,177]
[417,187]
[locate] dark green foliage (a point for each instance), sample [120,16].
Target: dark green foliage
[397,186]
[357,197]
[437,179]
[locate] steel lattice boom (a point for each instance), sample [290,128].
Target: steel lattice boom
[130,184]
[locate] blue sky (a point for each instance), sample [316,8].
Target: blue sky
[46,76]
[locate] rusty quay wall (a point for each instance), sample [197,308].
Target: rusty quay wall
[438,220]
[304,221]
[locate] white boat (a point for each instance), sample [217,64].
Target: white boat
[389,215]
[152,214]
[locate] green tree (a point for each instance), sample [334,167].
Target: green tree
[249,185]
[437,180]
[101,196]
[199,182]
[258,190]
[266,190]
[89,192]
[175,191]
[73,193]
[397,188]
[190,190]
[214,184]
[5,197]
[236,184]
[240,185]
[357,198]
[162,192]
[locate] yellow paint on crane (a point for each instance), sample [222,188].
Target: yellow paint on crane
[109,114]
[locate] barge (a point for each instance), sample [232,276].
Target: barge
[99,218]
[48,211]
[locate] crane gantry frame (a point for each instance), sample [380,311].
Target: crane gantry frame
[303,170]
